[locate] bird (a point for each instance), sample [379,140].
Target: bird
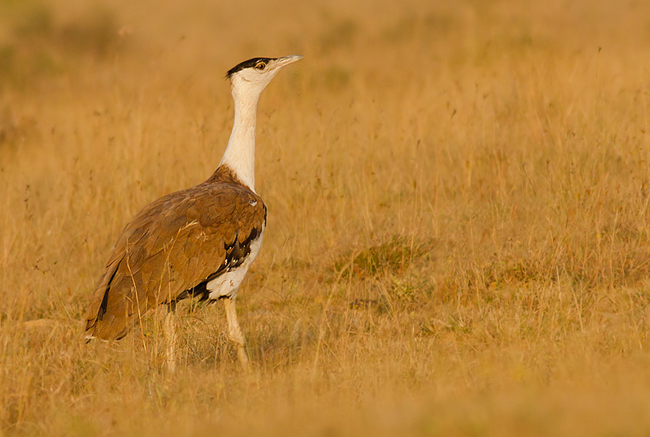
[198,242]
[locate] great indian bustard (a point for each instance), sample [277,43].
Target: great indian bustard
[196,242]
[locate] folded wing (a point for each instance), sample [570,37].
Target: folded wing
[170,250]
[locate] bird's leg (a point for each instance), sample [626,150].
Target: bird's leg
[234,332]
[170,329]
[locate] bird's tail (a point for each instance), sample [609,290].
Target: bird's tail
[107,323]
[109,313]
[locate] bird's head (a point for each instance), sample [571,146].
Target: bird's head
[252,76]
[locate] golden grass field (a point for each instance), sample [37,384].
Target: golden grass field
[458,195]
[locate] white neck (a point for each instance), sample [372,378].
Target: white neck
[240,153]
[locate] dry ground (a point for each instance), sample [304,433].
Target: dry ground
[458,215]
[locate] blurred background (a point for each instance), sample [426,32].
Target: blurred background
[345,41]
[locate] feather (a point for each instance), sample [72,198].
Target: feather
[172,248]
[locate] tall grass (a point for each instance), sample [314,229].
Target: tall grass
[458,227]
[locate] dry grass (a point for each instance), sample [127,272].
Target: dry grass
[458,216]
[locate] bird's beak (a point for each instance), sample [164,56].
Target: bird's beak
[286,60]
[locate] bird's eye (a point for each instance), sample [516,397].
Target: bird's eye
[260,66]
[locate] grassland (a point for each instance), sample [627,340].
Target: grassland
[458,234]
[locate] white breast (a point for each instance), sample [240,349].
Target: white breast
[228,283]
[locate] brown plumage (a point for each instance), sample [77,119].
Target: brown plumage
[172,248]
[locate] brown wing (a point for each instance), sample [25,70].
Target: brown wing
[172,246]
